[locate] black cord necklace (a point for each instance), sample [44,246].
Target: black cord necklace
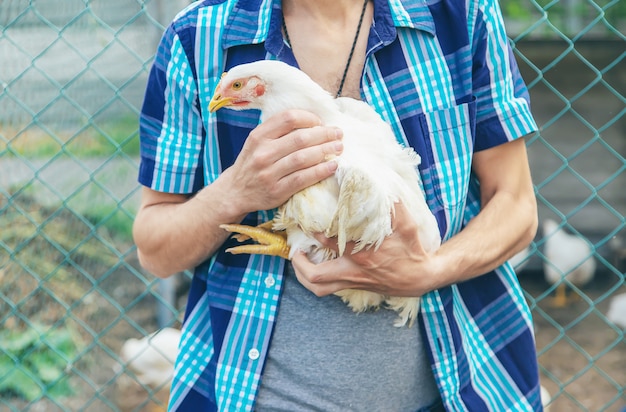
[356,38]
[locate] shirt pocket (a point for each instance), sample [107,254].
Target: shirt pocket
[449,140]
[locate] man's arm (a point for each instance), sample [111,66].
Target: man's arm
[400,267]
[174,232]
[285,154]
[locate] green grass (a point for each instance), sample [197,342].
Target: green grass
[116,223]
[96,139]
[33,361]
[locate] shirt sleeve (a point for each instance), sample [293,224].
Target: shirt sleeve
[170,126]
[502,101]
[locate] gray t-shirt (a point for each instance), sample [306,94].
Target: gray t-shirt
[324,357]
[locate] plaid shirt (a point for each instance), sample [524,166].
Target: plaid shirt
[441,73]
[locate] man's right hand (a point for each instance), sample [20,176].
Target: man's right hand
[283,155]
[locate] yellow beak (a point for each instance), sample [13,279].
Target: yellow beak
[217,102]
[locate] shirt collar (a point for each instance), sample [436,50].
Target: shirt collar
[412,14]
[257,21]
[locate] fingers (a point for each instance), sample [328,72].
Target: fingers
[287,121]
[314,277]
[293,149]
[307,148]
[327,242]
[302,137]
[305,174]
[401,220]
[383,270]
[281,156]
[294,130]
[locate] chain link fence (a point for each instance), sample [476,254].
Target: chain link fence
[74,303]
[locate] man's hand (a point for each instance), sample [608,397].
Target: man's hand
[399,267]
[285,154]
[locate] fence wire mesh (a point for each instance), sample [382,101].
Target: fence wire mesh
[74,303]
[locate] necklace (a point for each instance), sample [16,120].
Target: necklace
[356,37]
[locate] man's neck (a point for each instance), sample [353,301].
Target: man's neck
[322,41]
[327,12]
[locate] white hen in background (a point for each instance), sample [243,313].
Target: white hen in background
[357,203]
[568,257]
[152,357]
[521,259]
[617,310]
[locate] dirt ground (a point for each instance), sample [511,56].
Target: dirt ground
[99,379]
[582,357]
[63,274]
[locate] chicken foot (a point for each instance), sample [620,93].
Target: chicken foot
[242,237]
[561,299]
[269,242]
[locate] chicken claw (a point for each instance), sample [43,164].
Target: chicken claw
[270,243]
[242,237]
[561,299]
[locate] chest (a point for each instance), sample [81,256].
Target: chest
[334,70]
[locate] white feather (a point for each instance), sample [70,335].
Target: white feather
[567,256]
[520,259]
[617,310]
[152,357]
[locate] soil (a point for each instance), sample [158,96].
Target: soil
[581,354]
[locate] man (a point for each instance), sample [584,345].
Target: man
[443,76]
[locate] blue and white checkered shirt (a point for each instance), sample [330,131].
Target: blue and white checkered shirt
[442,74]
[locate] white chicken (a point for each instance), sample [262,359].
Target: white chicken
[546,398]
[617,310]
[357,203]
[568,257]
[521,259]
[152,357]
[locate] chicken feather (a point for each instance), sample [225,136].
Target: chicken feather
[357,203]
[567,257]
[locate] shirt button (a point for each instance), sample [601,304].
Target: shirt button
[254,354]
[270,281]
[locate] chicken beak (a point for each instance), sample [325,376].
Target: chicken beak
[217,102]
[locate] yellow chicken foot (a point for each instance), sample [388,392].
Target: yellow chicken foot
[241,237]
[270,243]
[560,296]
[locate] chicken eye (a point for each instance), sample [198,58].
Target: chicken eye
[237,85]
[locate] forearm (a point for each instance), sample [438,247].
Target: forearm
[175,236]
[504,226]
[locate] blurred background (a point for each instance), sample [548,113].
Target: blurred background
[84,328]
